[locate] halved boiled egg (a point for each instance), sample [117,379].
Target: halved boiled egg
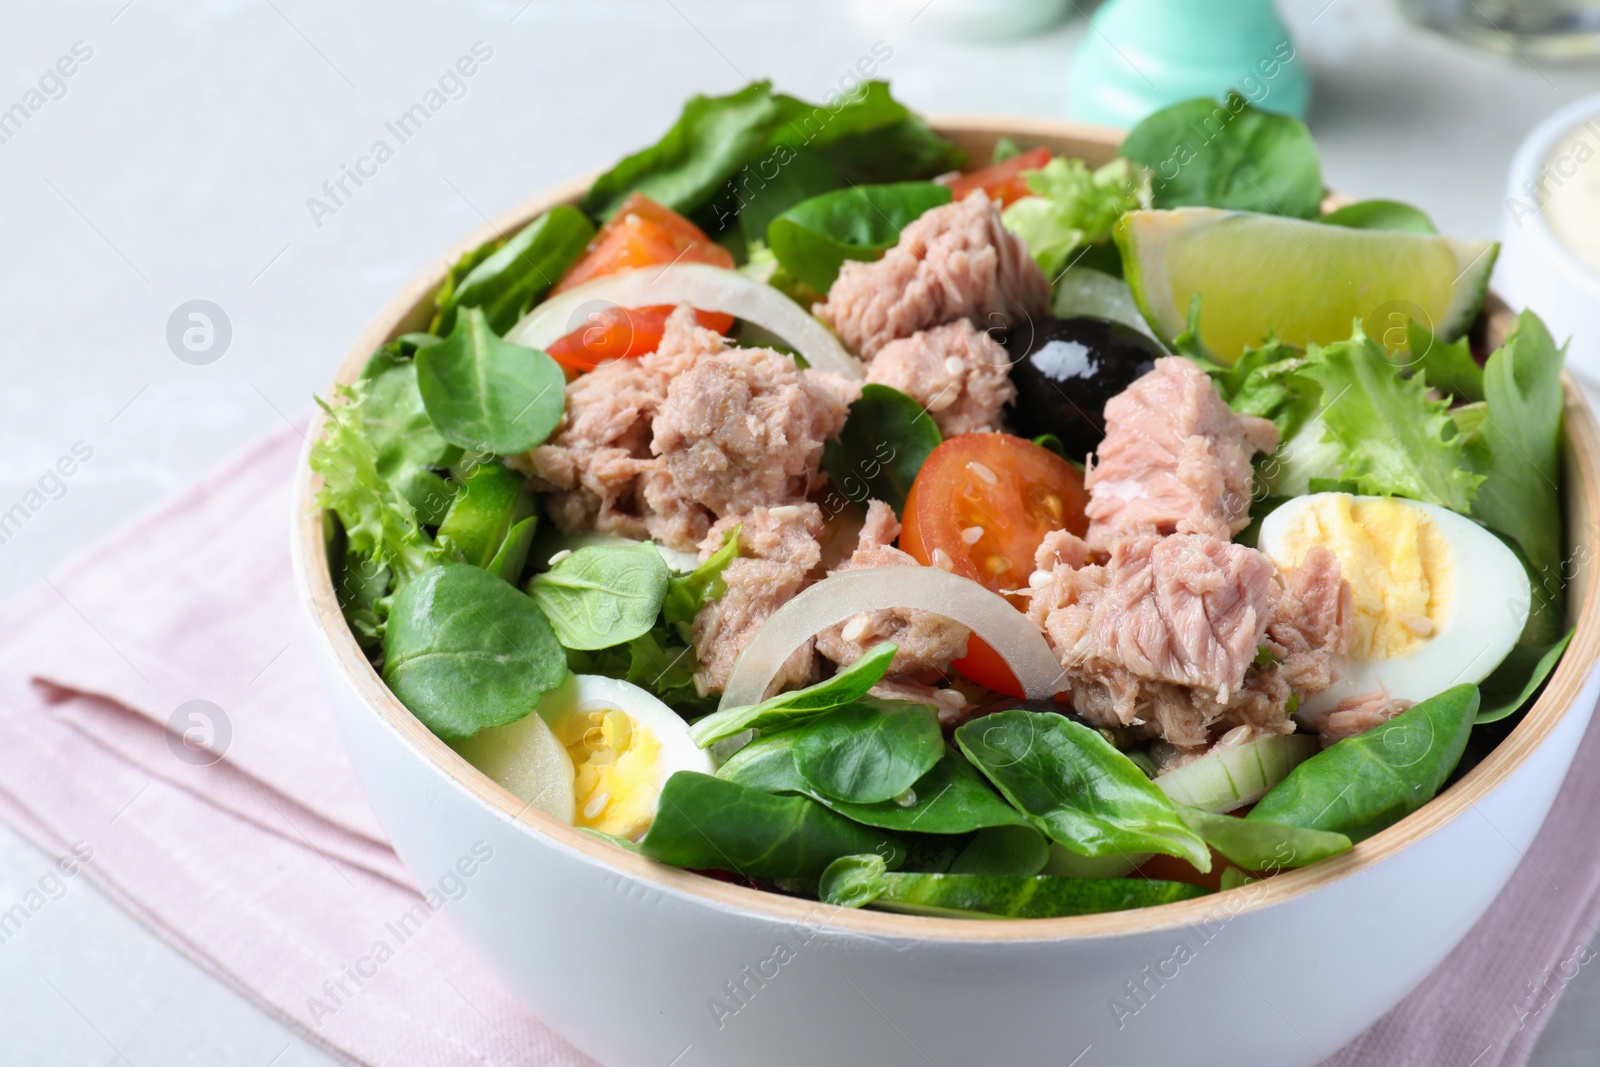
[596,754]
[1438,600]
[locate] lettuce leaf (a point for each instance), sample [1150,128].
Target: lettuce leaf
[752,134]
[1448,367]
[1074,207]
[379,523]
[1395,439]
[1516,452]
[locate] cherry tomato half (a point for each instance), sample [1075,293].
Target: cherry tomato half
[980,507]
[623,333]
[643,233]
[1002,181]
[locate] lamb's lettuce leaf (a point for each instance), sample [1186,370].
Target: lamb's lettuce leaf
[798,706]
[1228,154]
[1078,789]
[708,823]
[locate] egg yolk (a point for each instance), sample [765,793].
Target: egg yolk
[1396,560]
[616,770]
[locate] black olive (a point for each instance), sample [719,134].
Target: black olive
[1066,369]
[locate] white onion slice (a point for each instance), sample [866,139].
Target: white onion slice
[834,599]
[701,286]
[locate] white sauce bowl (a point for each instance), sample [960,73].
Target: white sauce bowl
[1551,177]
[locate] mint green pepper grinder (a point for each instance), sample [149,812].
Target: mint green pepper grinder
[1141,55]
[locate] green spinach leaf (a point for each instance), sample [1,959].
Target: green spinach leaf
[602,596]
[446,296]
[718,142]
[798,705]
[517,274]
[487,394]
[1076,787]
[1380,215]
[951,798]
[1258,845]
[855,881]
[712,139]
[1394,439]
[491,500]
[885,441]
[706,823]
[813,238]
[870,751]
[1228,154]
[465,651]
[756,199]
[1512,684]
[906,150]
[1517,453]
[1364,783]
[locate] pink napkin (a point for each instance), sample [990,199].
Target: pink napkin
[267,867]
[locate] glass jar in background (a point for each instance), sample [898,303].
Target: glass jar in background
[1536,29]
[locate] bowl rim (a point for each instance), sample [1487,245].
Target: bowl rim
[976,133]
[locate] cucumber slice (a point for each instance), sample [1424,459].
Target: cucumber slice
[1235,777]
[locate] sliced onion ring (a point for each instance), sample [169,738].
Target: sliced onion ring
[835,599]
[701,286]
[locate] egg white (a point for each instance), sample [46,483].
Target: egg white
[1487,611]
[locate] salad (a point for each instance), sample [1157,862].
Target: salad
[815,508]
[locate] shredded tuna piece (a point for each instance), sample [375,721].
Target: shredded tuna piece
[1165,634]
[778,550]
[1358,714]
[960,374]
[1060,547]
[664,445]
[741,429]
[955,262]
[954,708]
[923,641]
[1175,459]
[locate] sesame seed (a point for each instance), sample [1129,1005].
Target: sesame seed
[983,472]
[972,534]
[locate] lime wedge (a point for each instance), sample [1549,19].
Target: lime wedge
[1304,281]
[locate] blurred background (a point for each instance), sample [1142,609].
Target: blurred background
[176,164]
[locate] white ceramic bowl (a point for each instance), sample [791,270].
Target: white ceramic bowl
[647,966]
[1536,270]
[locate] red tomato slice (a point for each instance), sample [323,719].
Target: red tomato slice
[643,233]
[1002,181]
[623,333]
[980,507]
